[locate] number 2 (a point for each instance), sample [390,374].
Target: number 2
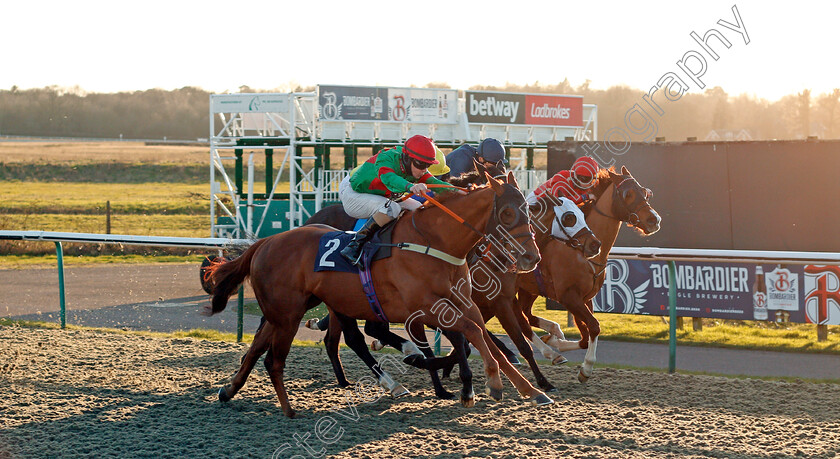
[332,245]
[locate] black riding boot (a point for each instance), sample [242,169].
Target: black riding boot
[353,251]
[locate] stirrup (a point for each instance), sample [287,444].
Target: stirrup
[352,257]
[358,260]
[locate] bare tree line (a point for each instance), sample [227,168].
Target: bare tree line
[183,113]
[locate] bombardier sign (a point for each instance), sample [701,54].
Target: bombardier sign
[528,109]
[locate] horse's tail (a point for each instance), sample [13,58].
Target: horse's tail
[227,275]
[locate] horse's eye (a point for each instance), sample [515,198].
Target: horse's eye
[507,216]
[569,220]
[629,195]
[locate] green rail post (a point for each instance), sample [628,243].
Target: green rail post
[240,310]
[672,312]
[59,252]
[437,342]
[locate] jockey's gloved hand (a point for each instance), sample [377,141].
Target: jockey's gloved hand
[418,188]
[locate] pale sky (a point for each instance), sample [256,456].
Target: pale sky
[112,46]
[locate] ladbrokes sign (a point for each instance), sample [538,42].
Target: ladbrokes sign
[528,109]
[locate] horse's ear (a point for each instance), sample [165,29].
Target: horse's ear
[479,167]
[511,179]
[613,175]
[497,187]
[624,171]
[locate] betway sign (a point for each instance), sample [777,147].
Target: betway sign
[529,109]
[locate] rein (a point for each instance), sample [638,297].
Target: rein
[486,253]
[488,242]
[632,214]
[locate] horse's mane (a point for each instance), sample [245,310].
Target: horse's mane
[602,181]
[470,178]
[444,197]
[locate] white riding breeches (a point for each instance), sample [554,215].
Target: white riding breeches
[364,205]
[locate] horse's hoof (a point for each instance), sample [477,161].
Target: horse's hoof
[290,413]
[399,390]
[223,396]
[541,399]
[559,360]
[468,402]
[582,377]
[495,394]
[445,395]
[312,324]
[344,384]
[547,387]
[416,361]
[376,345]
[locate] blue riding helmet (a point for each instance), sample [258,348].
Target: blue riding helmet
[492,151]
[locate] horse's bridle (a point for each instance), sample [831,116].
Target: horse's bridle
[496,226]
[629,215]
[495,223]
[626,213]
[572,241]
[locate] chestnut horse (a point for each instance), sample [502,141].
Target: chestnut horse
[336,217]
[496,298]
[573,280]
[409,284]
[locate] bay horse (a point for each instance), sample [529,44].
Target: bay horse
[496,303]
[409,284]
[572,280]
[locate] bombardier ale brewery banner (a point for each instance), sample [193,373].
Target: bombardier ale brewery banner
[792,293]
[528,109]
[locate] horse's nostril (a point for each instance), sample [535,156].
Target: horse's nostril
[652,221]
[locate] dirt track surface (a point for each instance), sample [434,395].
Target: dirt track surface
[82,393]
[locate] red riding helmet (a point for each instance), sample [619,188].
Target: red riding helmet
[584,171]
[421,148]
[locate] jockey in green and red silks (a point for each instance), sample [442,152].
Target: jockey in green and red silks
[574,183]
[369,190]
[388,174]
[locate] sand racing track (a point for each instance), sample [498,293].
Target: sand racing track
[83,393]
